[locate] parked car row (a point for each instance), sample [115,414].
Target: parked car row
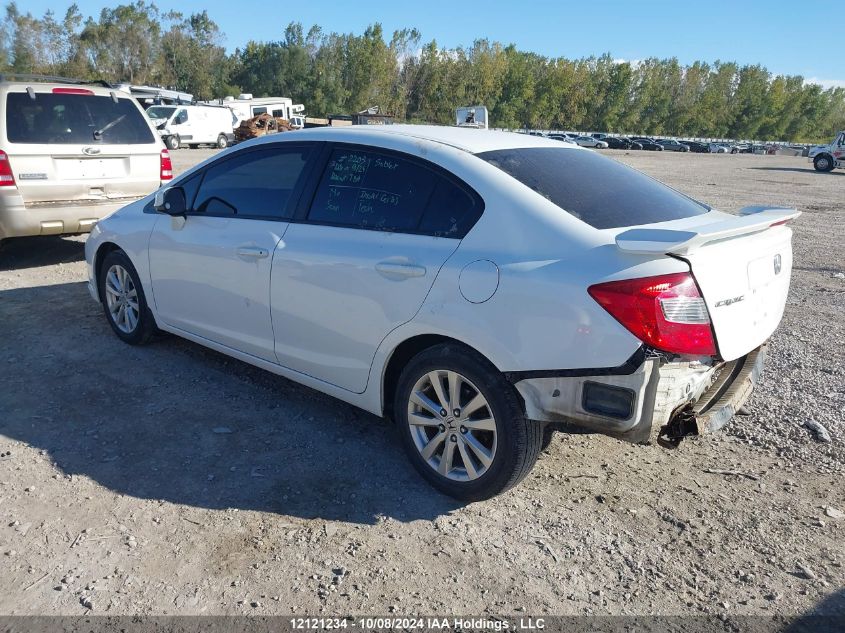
[601,140]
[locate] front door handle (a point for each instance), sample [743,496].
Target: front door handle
[253,252]
[393,270]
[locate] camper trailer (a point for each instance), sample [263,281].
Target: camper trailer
[149,96]
[246,107]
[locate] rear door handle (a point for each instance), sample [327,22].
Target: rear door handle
[392,270]
[253,252]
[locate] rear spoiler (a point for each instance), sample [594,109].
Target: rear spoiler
[683,241]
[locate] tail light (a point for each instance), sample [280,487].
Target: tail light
[166,166]
[666,312]
[7,178]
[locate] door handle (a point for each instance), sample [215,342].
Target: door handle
[253,252]
[393,270]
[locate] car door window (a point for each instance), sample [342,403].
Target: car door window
[372,190]
[256,184]
[381,191]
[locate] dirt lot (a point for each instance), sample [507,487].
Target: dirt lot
[171,479]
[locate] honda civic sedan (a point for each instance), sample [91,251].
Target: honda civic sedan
[480,288]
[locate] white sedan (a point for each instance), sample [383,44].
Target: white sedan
[480,288]
[590,141]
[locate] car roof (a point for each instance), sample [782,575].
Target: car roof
[467,139]
[47,86]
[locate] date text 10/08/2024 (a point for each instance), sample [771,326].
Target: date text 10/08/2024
[420,623]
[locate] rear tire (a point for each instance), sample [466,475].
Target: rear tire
[222,142]
[123,300]
[495,438]
[823,162]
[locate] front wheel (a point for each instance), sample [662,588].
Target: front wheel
[123,300]
[823,162]
[172,142]
[222,141]
[462,425]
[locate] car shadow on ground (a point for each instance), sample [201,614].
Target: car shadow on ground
[803,170]
[176,422]
[828,616]
[31,252]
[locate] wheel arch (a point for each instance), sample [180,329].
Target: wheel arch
[102,251]
[829,157]
[404,352]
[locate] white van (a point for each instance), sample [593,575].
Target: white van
[181,126]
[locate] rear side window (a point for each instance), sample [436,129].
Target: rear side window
[383,191]
[255,184]
[73,119]
[597,190]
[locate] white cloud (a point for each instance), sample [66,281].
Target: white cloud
[826,83]
[634,62]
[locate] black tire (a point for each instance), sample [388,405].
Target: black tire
[172,142]
[518,440]
[222,142]
[145,327]
[823,162]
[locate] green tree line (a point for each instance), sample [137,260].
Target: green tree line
[419,81]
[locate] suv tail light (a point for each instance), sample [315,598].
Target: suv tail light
[166,166]
[666,312]
[7,178]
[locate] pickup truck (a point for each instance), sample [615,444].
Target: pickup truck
[829,157]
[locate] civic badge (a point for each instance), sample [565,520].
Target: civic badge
[778,264]
[90,151]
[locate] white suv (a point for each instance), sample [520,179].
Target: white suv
[70,154]
[476,286]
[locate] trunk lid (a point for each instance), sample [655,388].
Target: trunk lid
[742,265]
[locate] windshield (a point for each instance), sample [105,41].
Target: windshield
[597,190]
[160,112]
[74,119]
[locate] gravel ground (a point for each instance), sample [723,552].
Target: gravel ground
[170,479]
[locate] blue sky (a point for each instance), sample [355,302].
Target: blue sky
[786,36]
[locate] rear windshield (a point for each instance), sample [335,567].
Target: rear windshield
[597,190]
[72,119]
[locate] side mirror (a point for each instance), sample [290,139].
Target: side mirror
[171,201]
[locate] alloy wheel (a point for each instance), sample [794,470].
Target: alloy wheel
[452,425]
[122,299]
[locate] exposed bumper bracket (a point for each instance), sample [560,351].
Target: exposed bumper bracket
[722,400]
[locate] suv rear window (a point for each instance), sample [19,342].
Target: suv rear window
[73,119]
[597,190]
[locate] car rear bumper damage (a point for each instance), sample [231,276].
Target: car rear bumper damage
[648,398]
